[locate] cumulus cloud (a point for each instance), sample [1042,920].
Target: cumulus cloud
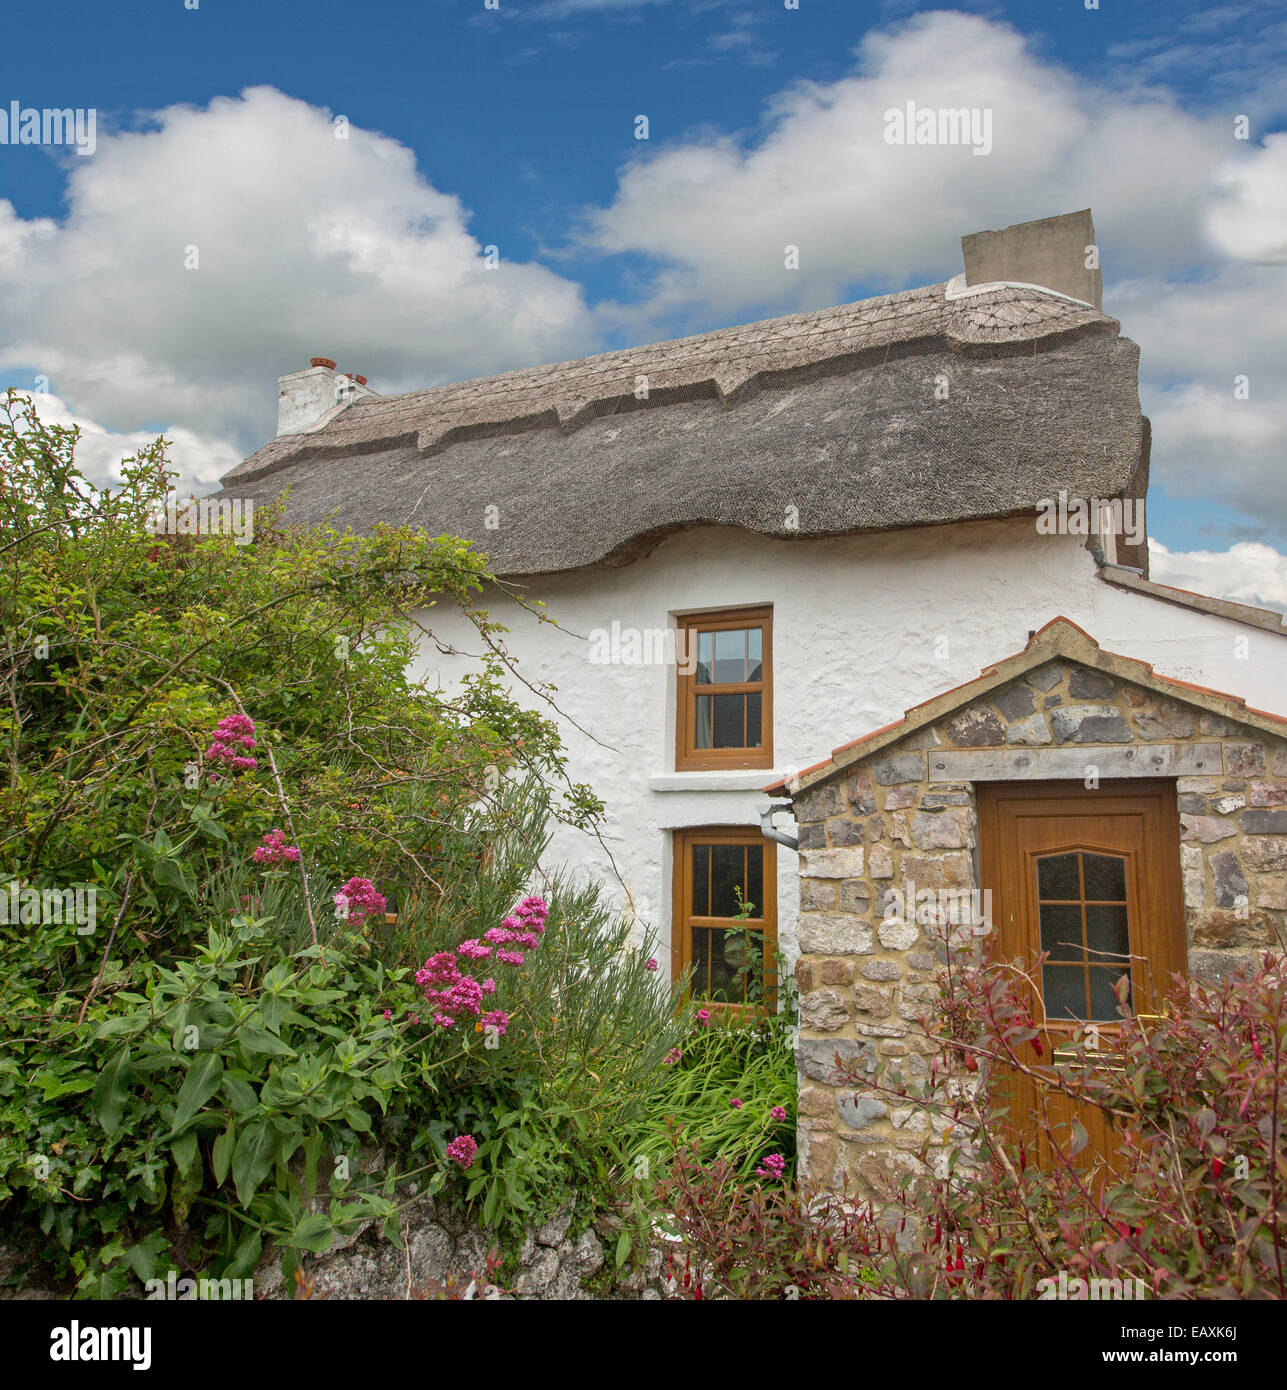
[715,212]
[1248,572]
[305,244]
[200,459]
[1190,222]
[1213,368]
[1249,219]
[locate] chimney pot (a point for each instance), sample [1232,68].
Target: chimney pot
[321,362]
[361,380]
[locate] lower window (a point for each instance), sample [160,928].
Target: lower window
[725,915]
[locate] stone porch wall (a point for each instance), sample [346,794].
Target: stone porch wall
[908,816]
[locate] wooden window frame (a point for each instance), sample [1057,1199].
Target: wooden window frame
[682,921]
[690,758]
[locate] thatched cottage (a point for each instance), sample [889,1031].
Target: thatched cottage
[764,541]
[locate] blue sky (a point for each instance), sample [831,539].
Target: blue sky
[516,127]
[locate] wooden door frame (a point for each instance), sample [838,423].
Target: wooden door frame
[1158,881]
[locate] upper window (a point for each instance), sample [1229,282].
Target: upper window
[725,716]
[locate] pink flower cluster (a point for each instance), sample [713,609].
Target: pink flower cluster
[357,901]
[233,732]
[275,850]
[462,1150]
[778,1112]
[523,927]
[703,1017]
[772,1167]
[450,992]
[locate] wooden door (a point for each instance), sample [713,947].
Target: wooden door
[1092,878]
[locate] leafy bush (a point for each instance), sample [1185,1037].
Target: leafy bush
[213,738]
[126,652]
[1195,1205]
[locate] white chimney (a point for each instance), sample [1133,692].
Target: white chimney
[309,398]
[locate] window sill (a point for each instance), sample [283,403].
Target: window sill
[720,780]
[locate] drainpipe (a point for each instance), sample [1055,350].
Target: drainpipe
[770,831]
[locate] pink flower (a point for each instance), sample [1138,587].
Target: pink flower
[462,1150]
[778,1113]
[448,992]
[650,963]
[233,734]
[532,912]
[358,900]
[673,1056]
[497,1021]
[735,1103]
[704,1018]
[473,950]
[415,1018]
[772,1167]
[275,850]
[510,957]
[388,1013]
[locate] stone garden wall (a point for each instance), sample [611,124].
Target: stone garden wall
[555,1261]
[907,815]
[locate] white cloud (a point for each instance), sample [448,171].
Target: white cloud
[1187,218]
[200,459]
[1213,367]
[1248,572]
[308,245]
[1250,219]
[716,211]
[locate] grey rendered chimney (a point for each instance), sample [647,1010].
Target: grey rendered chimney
[1058,253]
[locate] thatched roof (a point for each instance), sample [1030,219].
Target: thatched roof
[835,414]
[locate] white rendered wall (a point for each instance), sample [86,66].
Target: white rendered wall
[863,627]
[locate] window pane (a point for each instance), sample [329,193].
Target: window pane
[754,889]
[1103,1002]
[730,655]
[1105,877]
[729,956]
[754,720]
[730,721]
[702,734]
[1106,930]
[701,880]
[1063,988]
[727,874]
[701,960]
[705,657]
[755,654]
[1057,877]
[1061,931]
